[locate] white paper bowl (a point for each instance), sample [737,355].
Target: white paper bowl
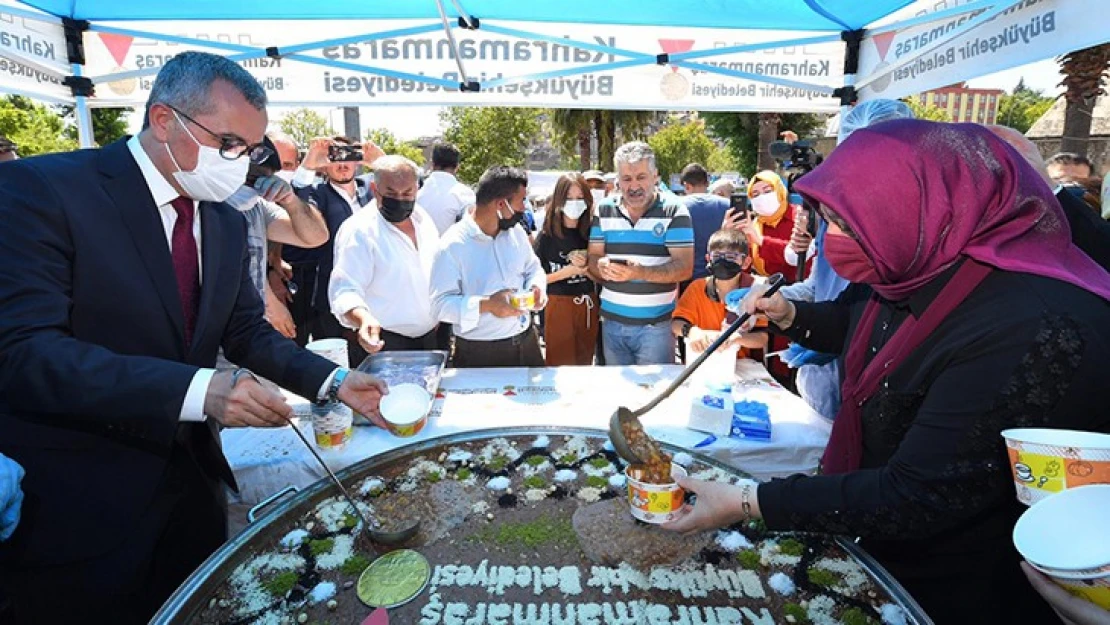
[405,409]
[1068,533]
[1045,461]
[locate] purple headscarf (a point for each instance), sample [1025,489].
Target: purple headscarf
[919,195]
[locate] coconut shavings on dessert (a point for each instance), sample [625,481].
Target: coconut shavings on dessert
[782,584]
[733,541]
[499,483]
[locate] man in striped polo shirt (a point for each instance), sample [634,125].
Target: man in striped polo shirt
[641,247]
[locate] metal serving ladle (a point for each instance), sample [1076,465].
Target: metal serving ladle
[624,415]
[376,535]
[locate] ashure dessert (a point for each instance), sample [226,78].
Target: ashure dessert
[530,530]
[656,468]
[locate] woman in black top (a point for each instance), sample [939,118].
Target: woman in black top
[571,316]
[971,312]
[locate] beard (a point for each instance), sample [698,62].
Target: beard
[338,180]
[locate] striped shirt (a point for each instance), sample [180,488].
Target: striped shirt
[648,242]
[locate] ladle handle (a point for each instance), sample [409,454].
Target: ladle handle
[350,500]
[774,283]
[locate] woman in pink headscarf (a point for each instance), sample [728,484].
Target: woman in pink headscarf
[971,312]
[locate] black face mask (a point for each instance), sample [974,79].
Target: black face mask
[504,223]
[723,269]
[394,210]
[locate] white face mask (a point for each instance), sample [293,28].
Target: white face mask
[766,205]
[286,175]
[598,194]
[574,208]
[244,199]
[215,178]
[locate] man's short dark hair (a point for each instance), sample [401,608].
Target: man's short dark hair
[500,182]
[1069,158]
[344,140]
[445,156]
[730,240]
[695,175]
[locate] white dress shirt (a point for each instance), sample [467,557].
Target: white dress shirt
[471,265]
[445,199]
[192,408]
[377,267]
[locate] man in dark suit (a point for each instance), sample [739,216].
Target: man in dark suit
[124,271]
[339,195]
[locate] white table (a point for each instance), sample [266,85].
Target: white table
[268,460]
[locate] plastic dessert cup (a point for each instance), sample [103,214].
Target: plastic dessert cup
[1046,461]
[655,503]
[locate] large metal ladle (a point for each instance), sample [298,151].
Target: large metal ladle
[377,535]
[624,415]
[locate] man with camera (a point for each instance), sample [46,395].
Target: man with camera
[341,194]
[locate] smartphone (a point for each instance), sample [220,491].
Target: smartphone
[344,153]
[738,205]
[618,261]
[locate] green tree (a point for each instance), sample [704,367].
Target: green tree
[488,136]
[740,133]
[722,160]
[1020,109]
[303,125]
[108,124]
[35,128]
[391,145]
[574,130]
[928,112]
[676,145]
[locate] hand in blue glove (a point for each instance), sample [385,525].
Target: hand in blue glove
[11,496]
[797,356]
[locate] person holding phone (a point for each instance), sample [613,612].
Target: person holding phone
[767,222]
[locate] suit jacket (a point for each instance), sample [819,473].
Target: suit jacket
[336,209]
[92,356]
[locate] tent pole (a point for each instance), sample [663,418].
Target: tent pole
[83,115]
[465,84]
[847,94]
[80,84]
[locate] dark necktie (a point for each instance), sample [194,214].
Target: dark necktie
[185,263]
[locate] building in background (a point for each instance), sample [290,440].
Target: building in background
[1046,133]
[965,104]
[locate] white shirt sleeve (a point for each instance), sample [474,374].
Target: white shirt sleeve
[192,409]
[449,303]
[354,267]
[303,177]
[466,198]
[791,257]
[534,273]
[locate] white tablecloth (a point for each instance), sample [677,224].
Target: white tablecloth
[267,460]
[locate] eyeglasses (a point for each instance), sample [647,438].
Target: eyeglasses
[735,257]
[232,146]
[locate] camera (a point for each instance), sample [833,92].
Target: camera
[344,153]
[738,202]
[798,155]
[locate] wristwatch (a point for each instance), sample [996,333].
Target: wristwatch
[686,330]
[336,382]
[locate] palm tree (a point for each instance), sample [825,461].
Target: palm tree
[575,129]
[1083,71]
[768,133]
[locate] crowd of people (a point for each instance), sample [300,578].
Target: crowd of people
[949,292]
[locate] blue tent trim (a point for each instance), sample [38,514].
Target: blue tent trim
[800,15]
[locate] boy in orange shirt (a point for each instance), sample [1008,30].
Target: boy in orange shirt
[700,312]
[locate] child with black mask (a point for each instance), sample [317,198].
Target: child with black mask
[700,312]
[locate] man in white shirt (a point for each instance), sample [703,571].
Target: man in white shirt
[383,265]
[445,198]
[481,263]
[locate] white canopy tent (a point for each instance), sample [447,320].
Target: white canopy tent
[736,55]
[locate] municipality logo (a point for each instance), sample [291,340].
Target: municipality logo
[675,86]
[882,45]
[658,229]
